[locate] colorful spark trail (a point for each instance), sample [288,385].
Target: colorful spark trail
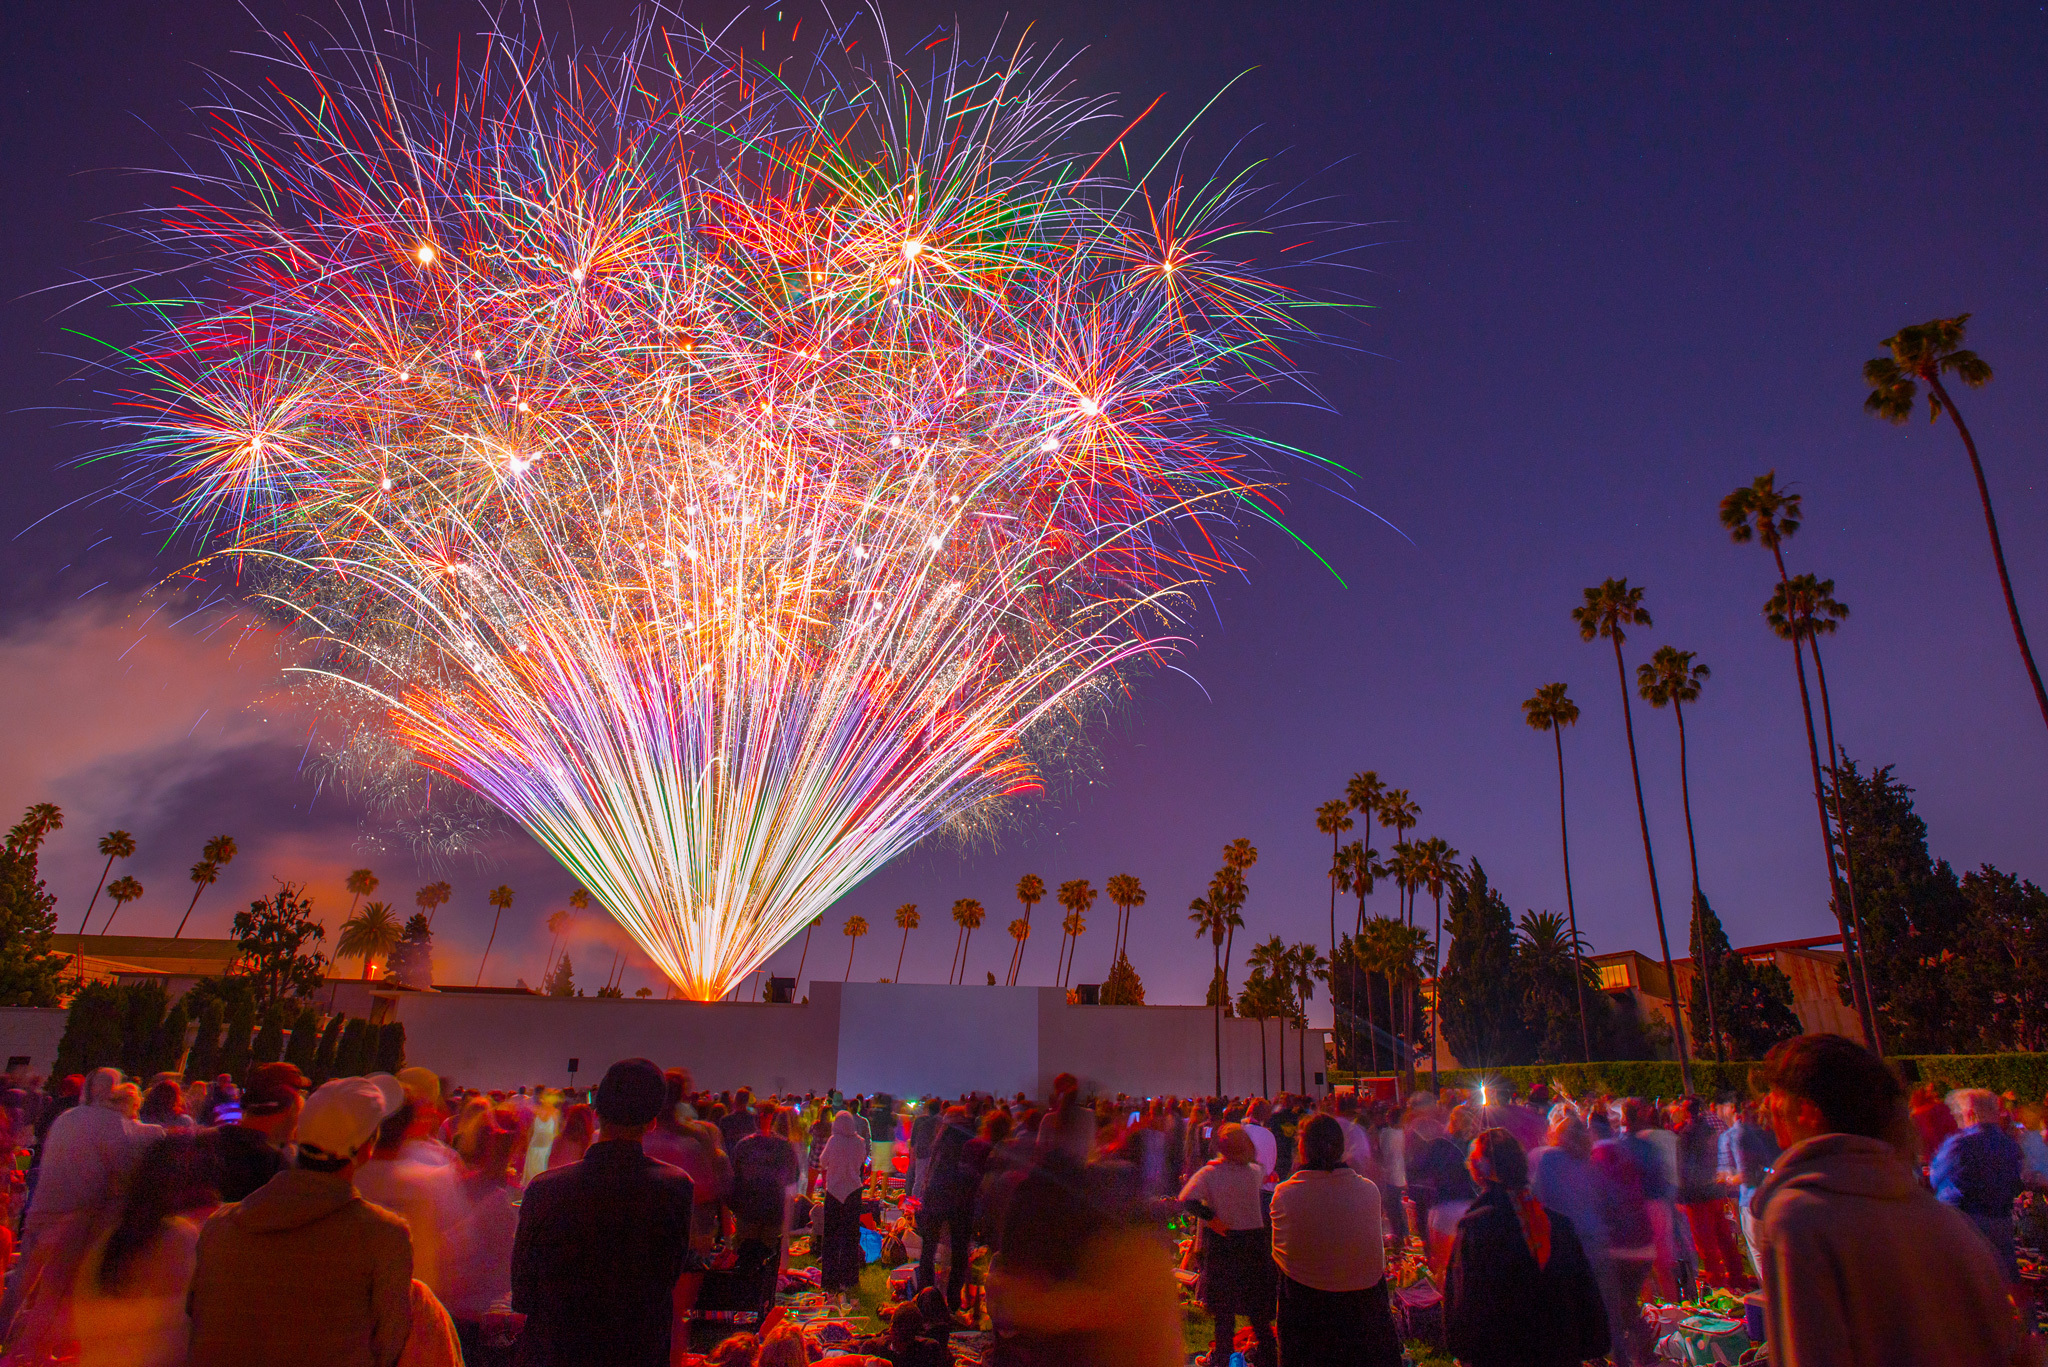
[726,482]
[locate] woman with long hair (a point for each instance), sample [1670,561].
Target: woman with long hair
[579,1130]
[128,1304]
[1520,1292]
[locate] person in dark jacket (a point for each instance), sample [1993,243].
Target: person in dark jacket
[602,1241]
[1520,1292]
[948,1209]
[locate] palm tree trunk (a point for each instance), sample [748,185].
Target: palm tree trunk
[188,911]
[963,957]
[2012,607]
[1436,995]
[1216,953]
[958,932]
[851,941]
[803,954]
[1704,968]
[1571,910]
[1852,948]
[95,901]
[1827,713]
[487,947]
[1650,860]
[1334,835]
[1280,1049]
[899,953]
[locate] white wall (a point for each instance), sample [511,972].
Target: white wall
[33,1031]
[928,1039]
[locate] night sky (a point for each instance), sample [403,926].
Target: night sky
[1620,259]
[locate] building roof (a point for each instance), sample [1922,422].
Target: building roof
[151,953]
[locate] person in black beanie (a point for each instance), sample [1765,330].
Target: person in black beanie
[602,1242]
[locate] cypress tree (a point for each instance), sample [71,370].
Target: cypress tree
[305,1040]
[142,1013]
[167,1044]
[349,1058]
[234,1045]
[269,1045]
[92,1032]
[391,1047]
[1481,993]
[203,1062]
[1753,1001]
[329,1046]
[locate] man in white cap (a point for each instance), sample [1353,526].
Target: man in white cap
[305,1272]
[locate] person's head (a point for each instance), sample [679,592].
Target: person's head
[500,1146]
[1569,1133]
[1638,1114]
[633,1093]
[423,1090]
[339,1124]
[163,1102]
[784,1347]
[1974,1106]
[1826,1084]
[931,1306]
[843,1126]
[1321,1142]
[177,1175]
[995,1126]
[1464,1123]
[1498,1160]
[764,1116]
[392,1133]
[740,1350]
[677,1083]
[579,1123]
[1235,1145]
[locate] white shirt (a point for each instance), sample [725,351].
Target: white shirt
[1231,1190]
[1326,1230]
[1357,1147]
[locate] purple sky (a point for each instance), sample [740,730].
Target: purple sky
[1621,263]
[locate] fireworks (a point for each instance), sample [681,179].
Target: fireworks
[724,481]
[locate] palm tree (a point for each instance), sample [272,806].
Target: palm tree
[1805,609]
[1212,919]
[805,952]
[968,915]
[1306,967]
[369,935]
[1550,949]
[1259,1001]
[1239,855]
[1610,610]
[1333,819]
[855,927]
[1437,864]
[1020,931]
[1672,677]
[1072,928]
[1922,355]
[1269,964]
[39,820]
[1127,894]
[1077,895]
[1030,891]
[906,921]
[558,922]
[1398,810]
[114,845]
[434,896]
[1365,792]
[205,874]
[360,883]
[1405,946]
[122,891]
[1760,511]
[1551,709]
[501,898]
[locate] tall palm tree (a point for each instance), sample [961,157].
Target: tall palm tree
[1030,892]
[114,845]
[204,875]
[360,883]
[805,952]
[121,892]
[1762,512]
[434,896]
[1922,355]
[369,935]
[1259,1000]
[855,927]
[1077,895]
[1365,792]
[1401,812]
[1672,678]
[1306,967]
[1071,930]
[907,920]
[501,899]
[968,915]
[40,820]
[1439,869]
[1020,931]
[1268,962]
[1551,709]
[1126,894]
[558,923]
[1210,918]
[1805,609]
[1238,856]
[1333,819]
[1610,610]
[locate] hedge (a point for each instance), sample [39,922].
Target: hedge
[2025,1075]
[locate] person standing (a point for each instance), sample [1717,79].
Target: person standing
[844,1163]
[1238,1276]
[1861,1264]
[1977,1170]
[305,1272]
[1702,1202]
[251,1150]
[1331,1254]
[1520,1289]
[128,1305]
[602,1242]
[1747,1151]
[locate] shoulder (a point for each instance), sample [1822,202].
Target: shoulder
[376,1221]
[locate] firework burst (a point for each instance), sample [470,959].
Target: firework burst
[722,480]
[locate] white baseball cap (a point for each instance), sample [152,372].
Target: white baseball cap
[343,1115]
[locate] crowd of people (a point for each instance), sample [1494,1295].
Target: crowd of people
[374,1221]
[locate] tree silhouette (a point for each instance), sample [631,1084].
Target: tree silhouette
[1125,893]
[369,934]
[1030,892]
[855,927]
[114,845]
[501,901]
[1671,678]
[360,884]
[121,891]
[1077,896]
[432,898]
[906,921]
[968,915]
[1550,709]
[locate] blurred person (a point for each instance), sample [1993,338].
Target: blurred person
[1933,1121]
[765,1169]
[1390,1148]
[1330,1250]
[1746,1152]
[924,1132]
[1238,1276]
[417,1176]
[164,1104]
[1440,1171]
[1977,1170]
[947,1212]
[844,1163]
[572,1141]
[254,1148]
[1860,1263]
[2033,1146]
[305,1272]
[128,1304]
[1628,1171]
[601,1243]
[1521,1292]
[479,1274]
[1702,1202]
[783,1347]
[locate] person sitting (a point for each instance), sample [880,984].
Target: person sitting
[1861,1264]
[305,1272]
[1520,1289]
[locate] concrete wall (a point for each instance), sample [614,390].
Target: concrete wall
[908,1039]
[32,1031]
